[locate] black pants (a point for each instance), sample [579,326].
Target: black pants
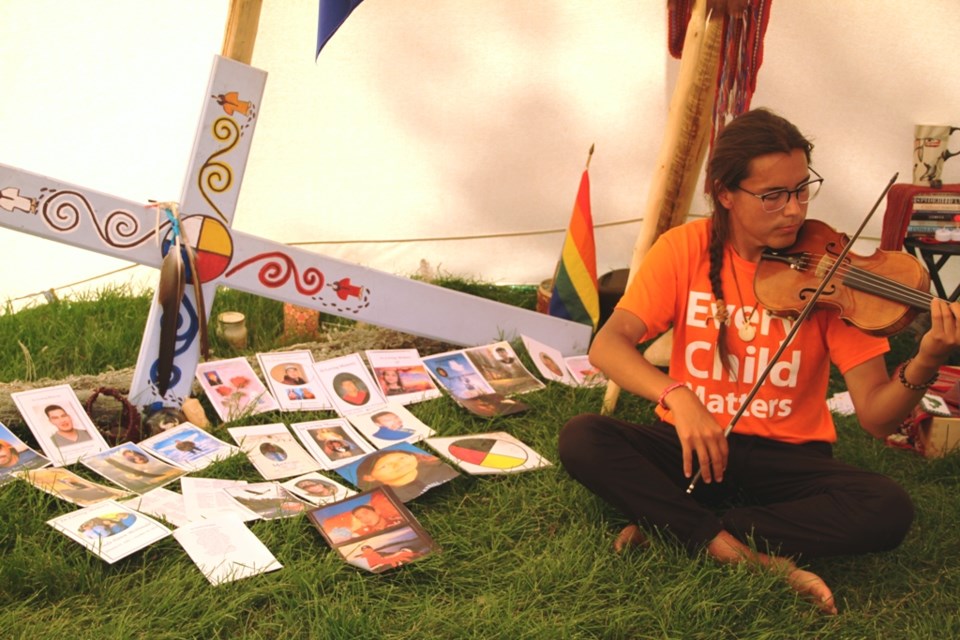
[792,499]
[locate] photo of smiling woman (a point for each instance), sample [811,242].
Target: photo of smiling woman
[407,470]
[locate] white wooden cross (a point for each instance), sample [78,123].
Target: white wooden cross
[126,229]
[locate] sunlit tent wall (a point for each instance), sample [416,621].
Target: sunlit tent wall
[445,131]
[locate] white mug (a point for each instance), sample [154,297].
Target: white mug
[930,152]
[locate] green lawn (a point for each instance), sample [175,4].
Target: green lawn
[523,556]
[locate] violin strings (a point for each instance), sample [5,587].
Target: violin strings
[857,277]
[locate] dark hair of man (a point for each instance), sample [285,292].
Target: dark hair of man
[754,133]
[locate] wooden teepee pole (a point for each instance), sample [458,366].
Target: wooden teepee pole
[243,18]
[684,145]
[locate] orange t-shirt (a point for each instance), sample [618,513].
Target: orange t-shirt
[672,287]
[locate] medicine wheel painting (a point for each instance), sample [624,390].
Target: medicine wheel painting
[212,242]
[489,452]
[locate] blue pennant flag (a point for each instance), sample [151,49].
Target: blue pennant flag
[332,15]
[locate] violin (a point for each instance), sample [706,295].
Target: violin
[880,293]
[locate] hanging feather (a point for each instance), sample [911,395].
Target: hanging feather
[197,295]
[169,294]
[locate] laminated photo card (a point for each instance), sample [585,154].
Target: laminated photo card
[401,375]
[406,469]
[348,384]
[501,368]
[58,422]
[389,424]
[491,405]
[548,361]
[110,530]
[273,450]
[316,488]
[234,389]
[454,372]
[373,531]
[332,442]
[585,373]
[224,549]
[15,455]
[162,504]
[267,500]
[292,380]
[205,499]
[132,468]
[189,447]
[488,453]
[458,374]
[68,486]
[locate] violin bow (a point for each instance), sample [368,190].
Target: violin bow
[807,309]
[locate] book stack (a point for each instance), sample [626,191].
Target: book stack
[935,217]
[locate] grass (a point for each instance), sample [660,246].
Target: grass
[523,556]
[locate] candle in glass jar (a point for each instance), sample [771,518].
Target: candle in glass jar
[233,328]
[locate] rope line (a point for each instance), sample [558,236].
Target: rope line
[516,234]
[484,236]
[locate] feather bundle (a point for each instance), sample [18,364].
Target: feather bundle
[169,294]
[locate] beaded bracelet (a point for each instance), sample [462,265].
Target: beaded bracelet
[909,385]
[663,394]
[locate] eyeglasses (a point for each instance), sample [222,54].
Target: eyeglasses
[773,201]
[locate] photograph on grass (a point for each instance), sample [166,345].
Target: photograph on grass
[455,373]
[292,380]
[348,384]
[132,468]
[110,530]
[189,447]
[401,375]
[389,424]
[15,455]
[548,361]
[491,405]
[332,442]
[373,530]
[317,489]
[408,470]
[268,500]
[501,368]
[234,389]
[59,423]
[67,485]
[273,450]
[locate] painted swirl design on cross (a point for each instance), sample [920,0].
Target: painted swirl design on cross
[63,211]
[279,269]
[216,176]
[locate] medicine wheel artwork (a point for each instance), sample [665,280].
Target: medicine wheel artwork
[489,452]
[212,242]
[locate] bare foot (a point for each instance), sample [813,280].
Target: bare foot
[630,537]
[727,549]
[813,588]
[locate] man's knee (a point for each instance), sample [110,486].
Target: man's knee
[892,517]
[577,440]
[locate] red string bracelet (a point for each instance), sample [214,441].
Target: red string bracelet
[663,394]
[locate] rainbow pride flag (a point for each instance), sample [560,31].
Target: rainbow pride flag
[575,295]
